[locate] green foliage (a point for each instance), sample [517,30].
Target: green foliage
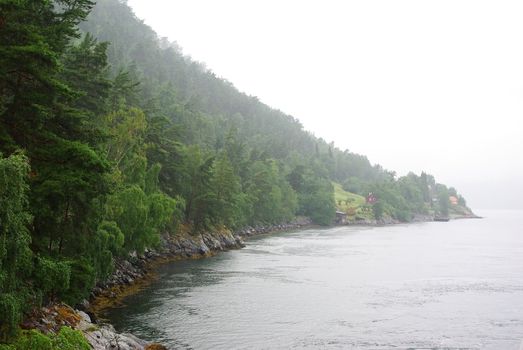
[69,339]
[10,315]
[355,185]
[52,276]
[138,207]
[378,210]
[33,340]
[443,201]
[197,169]
[141,216]
[65,339]
[50,93]
[82,280]
[125,129]
[115,154]
[273,199]
[190,104]
[112,238]
[162,210]
[128,208]
[317,201]
[227,197]
[389,201]
[345,199]
[289,201]
[315,195]
[15,255]
[85,71]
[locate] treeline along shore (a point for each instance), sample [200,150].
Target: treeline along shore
[110,136]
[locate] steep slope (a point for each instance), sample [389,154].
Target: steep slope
[206,108]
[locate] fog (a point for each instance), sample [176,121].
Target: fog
[432,86]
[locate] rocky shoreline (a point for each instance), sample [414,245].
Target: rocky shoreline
[387,221]
[134,272]
[99,336]
[417,218]
[136,268]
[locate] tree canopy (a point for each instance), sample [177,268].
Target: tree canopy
[111,137]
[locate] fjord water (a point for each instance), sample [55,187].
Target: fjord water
[455,285]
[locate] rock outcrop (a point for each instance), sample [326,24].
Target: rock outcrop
[101,337]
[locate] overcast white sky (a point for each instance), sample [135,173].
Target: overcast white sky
[414,85]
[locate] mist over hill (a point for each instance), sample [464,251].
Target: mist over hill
[160,65]
[112,140]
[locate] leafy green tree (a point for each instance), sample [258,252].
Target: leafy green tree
[51,277]
[273,200]
[443,202]
[378,210]
[125,130]
[227,197]
[355,185]
[197,191]
[138,207]
[15,255]
[317,199]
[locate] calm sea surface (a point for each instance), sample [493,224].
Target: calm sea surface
[455,285]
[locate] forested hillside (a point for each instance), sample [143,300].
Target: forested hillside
[110,136]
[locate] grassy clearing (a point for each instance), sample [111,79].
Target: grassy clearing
[351,203]
[345,200]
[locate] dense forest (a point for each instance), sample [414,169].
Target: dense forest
[110,136]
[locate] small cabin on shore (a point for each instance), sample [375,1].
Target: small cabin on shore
[341,218]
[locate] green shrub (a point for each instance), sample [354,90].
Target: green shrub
[69,339]
[9,316]
[403,215]
[33,339]
[66,339]
[83,277]
[52,276]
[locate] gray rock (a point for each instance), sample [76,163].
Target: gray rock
[84,316]
[106,338]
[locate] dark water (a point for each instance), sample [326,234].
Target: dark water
[455,285]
